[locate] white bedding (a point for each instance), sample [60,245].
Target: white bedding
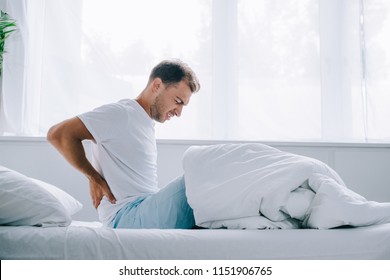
[84,240]
[257,186]
[232,193]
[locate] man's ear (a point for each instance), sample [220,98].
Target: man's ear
[157,85]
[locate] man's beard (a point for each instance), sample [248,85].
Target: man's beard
[155,110]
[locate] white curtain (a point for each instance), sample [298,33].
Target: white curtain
[12,92]
[281,70]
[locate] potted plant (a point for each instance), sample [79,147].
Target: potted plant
[7,26]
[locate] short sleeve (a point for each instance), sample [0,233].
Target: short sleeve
[105,121]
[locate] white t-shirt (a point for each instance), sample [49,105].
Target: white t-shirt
[125,152]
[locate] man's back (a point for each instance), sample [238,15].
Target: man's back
[124,152]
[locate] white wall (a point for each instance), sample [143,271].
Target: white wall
[364,168]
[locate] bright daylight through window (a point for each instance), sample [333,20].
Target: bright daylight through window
[282,70]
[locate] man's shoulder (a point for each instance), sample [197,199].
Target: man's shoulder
[128,103]
[121,105]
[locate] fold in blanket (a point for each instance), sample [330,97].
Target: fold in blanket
[255,186]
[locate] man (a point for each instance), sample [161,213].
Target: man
[123,174]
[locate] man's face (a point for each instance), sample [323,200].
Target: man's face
[169,101]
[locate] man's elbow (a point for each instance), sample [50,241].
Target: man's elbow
[53,135]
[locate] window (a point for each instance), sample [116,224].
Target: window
[281,70]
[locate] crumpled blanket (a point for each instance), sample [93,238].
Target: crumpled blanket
[255,186]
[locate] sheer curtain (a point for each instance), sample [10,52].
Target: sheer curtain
[282,70]
[12,91]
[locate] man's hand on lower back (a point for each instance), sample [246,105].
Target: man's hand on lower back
[98,188]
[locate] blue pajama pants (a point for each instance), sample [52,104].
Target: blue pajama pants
[166,209]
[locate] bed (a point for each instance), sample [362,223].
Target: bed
[36,223]
[90,241]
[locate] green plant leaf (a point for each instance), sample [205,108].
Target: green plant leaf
[7,27]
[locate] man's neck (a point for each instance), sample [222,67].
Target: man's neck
[144,103]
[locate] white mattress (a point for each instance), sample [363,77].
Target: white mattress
[88,240]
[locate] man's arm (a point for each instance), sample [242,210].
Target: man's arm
[67,138]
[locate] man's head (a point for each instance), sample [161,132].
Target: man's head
[172,83]
[172,72]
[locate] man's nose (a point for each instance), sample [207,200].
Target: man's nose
[178,111]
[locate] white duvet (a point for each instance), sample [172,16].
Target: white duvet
[255,186]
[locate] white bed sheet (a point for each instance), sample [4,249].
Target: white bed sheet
[87,240]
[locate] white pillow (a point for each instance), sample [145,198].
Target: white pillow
[27,201]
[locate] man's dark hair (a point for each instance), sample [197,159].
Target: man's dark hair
[172,72]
